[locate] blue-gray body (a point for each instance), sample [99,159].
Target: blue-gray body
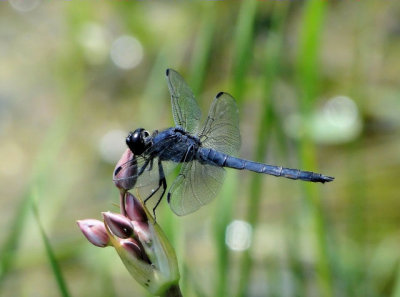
[203,150]
[175,144]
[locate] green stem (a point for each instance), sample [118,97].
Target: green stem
[308,80]
[202,49]
[273,57]
[51,256]
[243,43]
[173,291]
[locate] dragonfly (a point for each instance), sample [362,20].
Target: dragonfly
[202,151]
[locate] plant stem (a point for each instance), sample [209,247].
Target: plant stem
[307,69]
[202,51]
[273,58]
[243,44]
[173,291]
[55,265]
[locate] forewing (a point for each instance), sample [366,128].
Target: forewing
[185,110]
[196,185]
[221,128]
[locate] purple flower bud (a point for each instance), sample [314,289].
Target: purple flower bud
[125,171]
[134,208]
[146,253]
[142,231]
[119,225]
[133,248]
[94,231]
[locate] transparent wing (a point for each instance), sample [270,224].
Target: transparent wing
[221,128]
[129,172]
[148,183]
[185,110]
[196,185]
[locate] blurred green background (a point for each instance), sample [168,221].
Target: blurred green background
[317,83]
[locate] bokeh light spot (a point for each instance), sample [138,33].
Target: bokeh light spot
[338,121]
[238,235]
[24,5]
[93,40]
[341,111]
[126,52]
[112,145]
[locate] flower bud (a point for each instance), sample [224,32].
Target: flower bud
[119,225]
[133,248]
[142,230]
[95,232]
[147,255]
[135,235]
[134,208]
[125,171]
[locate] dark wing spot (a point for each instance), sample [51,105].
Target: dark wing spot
[219,94]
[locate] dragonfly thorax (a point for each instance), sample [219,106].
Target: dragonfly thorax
[138,141]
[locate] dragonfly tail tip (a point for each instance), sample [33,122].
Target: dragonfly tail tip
[327,178]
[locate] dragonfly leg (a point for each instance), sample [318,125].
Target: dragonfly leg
[190,149]
[151,165]
[181,177]
[144,167]
[162,182]
[177,182]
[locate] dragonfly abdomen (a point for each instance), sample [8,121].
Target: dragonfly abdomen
[224,160]
[237,163]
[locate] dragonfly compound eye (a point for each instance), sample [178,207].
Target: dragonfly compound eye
[136,141]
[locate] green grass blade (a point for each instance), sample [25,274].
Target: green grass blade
[69,77]
[307,78]
[51,255]
[243,42]
[222,218]
[271,70]
[252,216]
[396,287]
[46,158]
[9,248]
[243,45]
[202,49]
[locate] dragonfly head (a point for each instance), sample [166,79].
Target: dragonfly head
[138,141]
